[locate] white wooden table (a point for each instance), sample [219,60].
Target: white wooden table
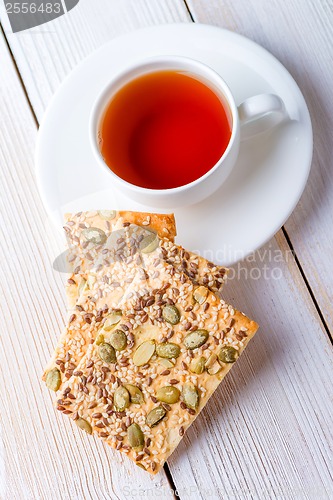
[267,433]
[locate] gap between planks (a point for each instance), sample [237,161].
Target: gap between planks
[285,234]
[166,470]
[283,228]
[307,284]
[19,76]
[301,51]
[290,245]
[189,11]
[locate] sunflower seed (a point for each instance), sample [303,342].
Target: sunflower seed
[166,363]
[214,369]
[210,361]
[99,339]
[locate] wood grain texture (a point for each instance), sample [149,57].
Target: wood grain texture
[46,54]
[41,454]
[266,433]
[299,33]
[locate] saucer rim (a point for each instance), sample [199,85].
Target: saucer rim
[305,121]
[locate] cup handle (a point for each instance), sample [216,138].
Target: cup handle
[260,113]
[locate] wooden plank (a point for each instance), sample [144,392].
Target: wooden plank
[47,53]
[40,451]
[267,432]
[299,34]
[275,406]
[41,454]
[276,439]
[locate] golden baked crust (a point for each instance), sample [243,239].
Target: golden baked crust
[162,224]
[149,339]
[89,390]
[101,239]
[80,259]
[111,257]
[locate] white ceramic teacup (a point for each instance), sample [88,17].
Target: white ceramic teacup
[255,115]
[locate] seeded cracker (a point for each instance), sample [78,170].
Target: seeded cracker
[146,377]
[99,243]
[118,258]
[86,246]
[85,255]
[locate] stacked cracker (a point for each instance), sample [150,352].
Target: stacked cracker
[148,340]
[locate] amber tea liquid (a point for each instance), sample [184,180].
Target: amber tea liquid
[163,130]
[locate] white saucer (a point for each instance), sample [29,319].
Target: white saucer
[263,188]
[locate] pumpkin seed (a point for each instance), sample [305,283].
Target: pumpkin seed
[197,365]
[155,416]
[214,369]
[168,394]
[81,286]
[149,243]
[99,339]
[190,396]
[210,361]
[168,350]
[171,314]
[94,235]
[107,353]
[121,398]
[196,339]
[166,363]
[112,319]
[144,352]
[84,425]
[107,214]
[212,365]
[135,437]
[136,395]
[91,281]
[200,294]
[228,354]
[118,340]
[53,379]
